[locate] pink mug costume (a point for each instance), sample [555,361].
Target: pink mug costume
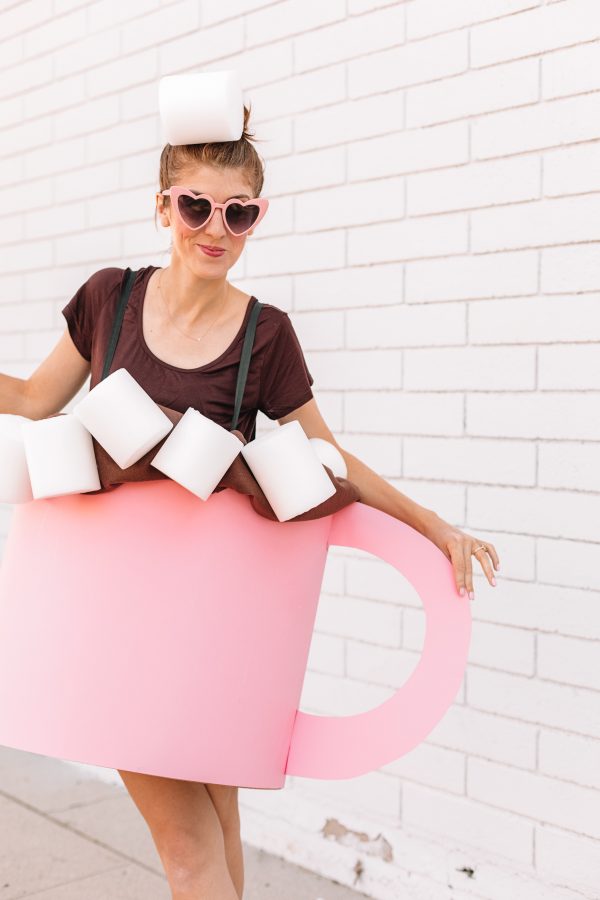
[145,629]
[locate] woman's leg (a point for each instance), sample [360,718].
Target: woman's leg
[225,799]
[187,832]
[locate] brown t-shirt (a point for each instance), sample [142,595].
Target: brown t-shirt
[278,380]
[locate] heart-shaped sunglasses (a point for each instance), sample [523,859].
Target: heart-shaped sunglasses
[196,210]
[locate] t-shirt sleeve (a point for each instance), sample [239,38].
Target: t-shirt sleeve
[285,382]
[81,312]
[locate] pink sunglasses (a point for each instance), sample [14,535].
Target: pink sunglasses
[196,210]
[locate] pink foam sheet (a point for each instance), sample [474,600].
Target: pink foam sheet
[145,629]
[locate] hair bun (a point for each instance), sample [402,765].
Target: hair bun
[245,132]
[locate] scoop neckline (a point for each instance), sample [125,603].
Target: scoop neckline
[162,362]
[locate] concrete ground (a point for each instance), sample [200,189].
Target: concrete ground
[67,836]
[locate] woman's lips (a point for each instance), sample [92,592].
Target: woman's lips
[210,251]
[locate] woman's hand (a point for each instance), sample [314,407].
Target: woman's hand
[459,547]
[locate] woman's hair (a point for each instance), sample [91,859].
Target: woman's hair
[240,154]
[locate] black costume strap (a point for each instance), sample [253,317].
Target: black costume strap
[244,359]
[244,365]
[118,321]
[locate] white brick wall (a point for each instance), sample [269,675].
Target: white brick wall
[434,174]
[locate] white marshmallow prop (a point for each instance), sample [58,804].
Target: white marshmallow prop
[197,453]
[201,107]
[15,484]
[330,456]
[60,456]
[122,417]
[287,468]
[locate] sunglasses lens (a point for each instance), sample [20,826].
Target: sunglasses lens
[194,210]
[240,218]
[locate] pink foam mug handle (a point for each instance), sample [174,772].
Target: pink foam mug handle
[347,746]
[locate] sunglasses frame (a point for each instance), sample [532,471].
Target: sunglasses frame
[178,190]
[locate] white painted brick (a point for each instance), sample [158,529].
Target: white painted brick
[569,367]
[379,665]
[289,18]
[354,119]
[108,13]
[300,93]
[319,330]
[575,268]
[572,170]
[110,143]
[89,50]
[430,17]
[11,110]
[542,607]
[469,368]
[569,757]
[534,700]
[537,126]
[535,796]
[410,64]
[349,38]
[470,460]
[484,735]
[568,660]
[535,31]
[492,645]
[413,150]
[406,325]
[469,277]
[80,184]
[23,136]
[19,316]
[134,69]
[164,24]
[470,824]
[373,578]
[552,513]
[568,464]
[572,563]
[215,11]
[62,218]
[22,16]
[326,654]
[91,117]
[409,239]
[539,320]
[329,695]
[435,767]
[366,620]
[99,246]
[296,252]
[348,205]
[475,185]
[357,369]
[567,415]
[11,51]
[568,858]
[296,173]
[473,93]
[59,157]
[55,33]
[383,455]
[537,224]
[192,51]
[571,71]
[394,412]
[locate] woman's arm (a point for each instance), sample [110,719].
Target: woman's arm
[380,494]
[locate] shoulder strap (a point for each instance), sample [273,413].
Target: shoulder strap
[244,365]
[116,329]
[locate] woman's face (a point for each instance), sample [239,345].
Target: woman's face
[221,184]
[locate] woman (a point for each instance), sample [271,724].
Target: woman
[181,339]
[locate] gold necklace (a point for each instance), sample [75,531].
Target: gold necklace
[191,337]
